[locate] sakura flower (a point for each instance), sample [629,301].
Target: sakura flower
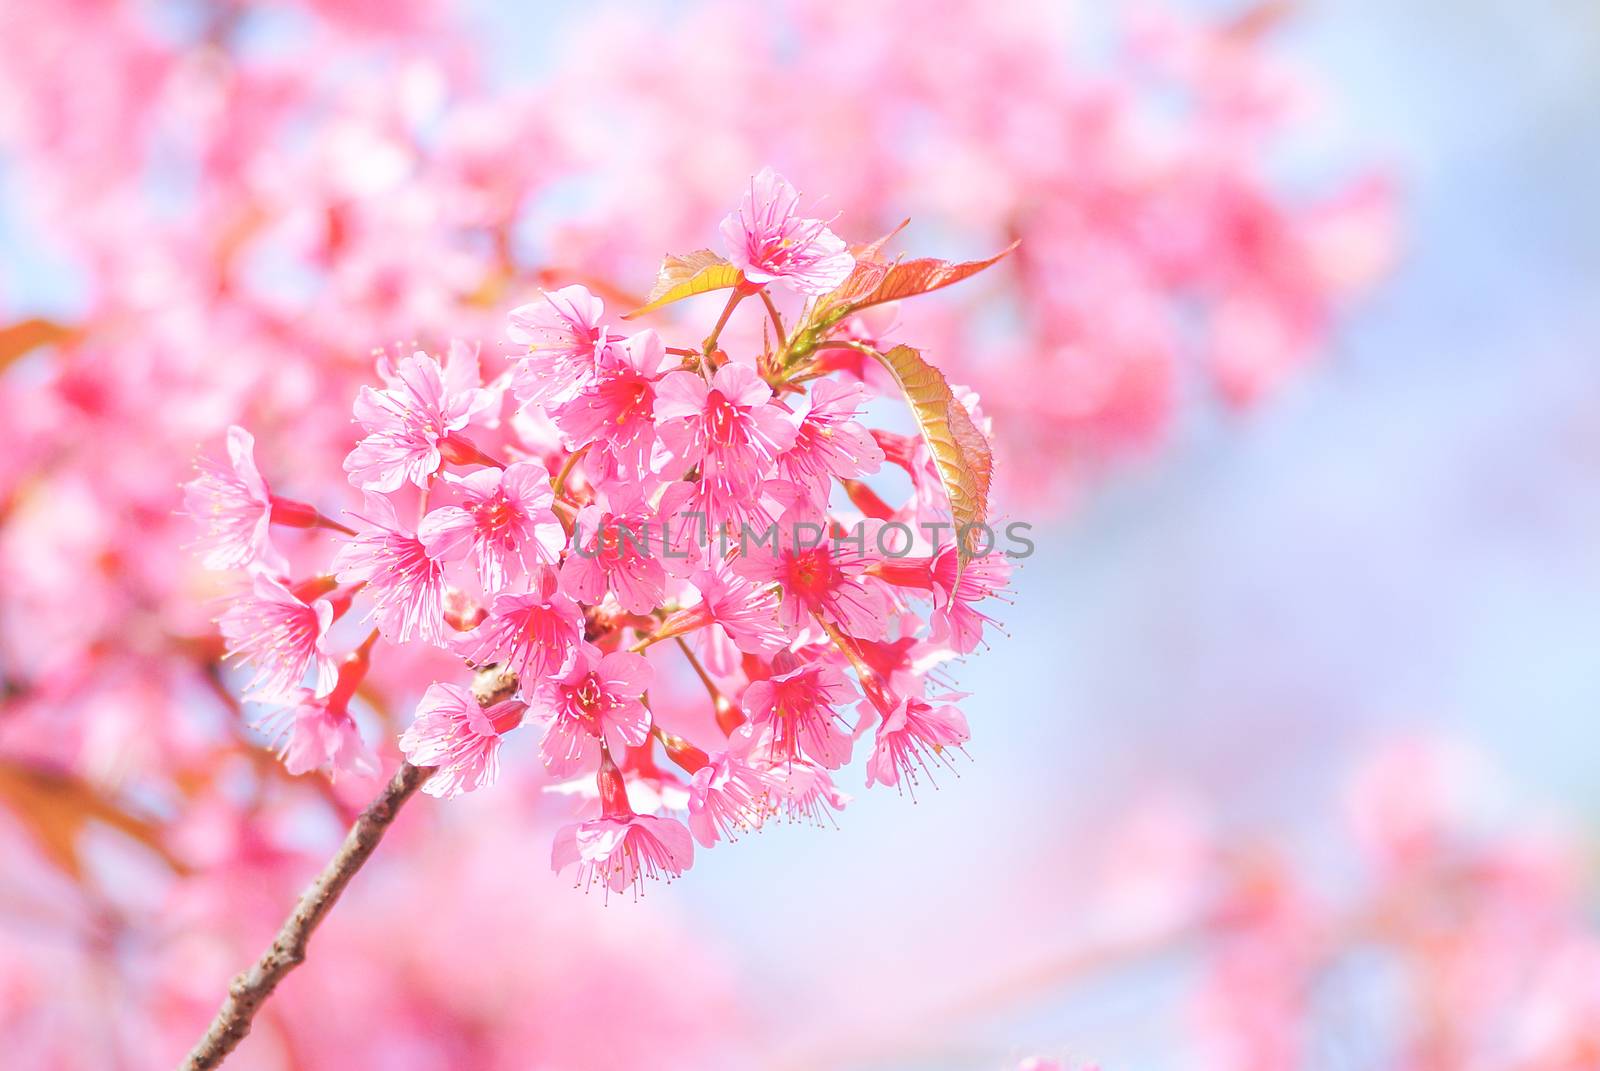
[770,241]
[597,700]
[535,635]
[733,606]
[622,849]
[565,340]
[815,577]
[234,505]
[799,712]
[406,583]
[726,797]
[319,733]
[612,551]
[504,520]
[453,733]
[282,636]
[614,414]
[829,443]
[804,792]
[956,620]
[912,734]
[408,424]
[728,429]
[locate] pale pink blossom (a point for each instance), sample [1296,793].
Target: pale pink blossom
[405,582]
[458,737]
[233,505]
[804,792]
[829,443]
[915,734]
[770,241]
[798,712]
[956,620]
[598,700]
[565,341]
[535,635]
[727,796]
[282,636]
[316,734]
[504,521]
[410,421]
[624,851]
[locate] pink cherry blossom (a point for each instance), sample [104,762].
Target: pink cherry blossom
[913,735]
[829,444]
[727,797]
[597,700]
[282,636]
[405,582]
[318,733]
[461,739]
[504,521]
[565,341]
[815,577]
[798,712]
[535,634]
[727,428]
[617,550]
[233,504]
[411,420]
[732,606]
[614,415]
[804,792]
[770,241]
[624,852]
[956,619]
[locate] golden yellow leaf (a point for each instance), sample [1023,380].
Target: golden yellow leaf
[684,276]
[20,338]
[959,449]
[57,807]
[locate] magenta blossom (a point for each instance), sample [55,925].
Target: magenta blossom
[409,423]
[598,700]
[771,242]
[956,619]
[233,505]
[623,852]
[280,634]
[405,581]
[460,738]
[318,733]
[504,520]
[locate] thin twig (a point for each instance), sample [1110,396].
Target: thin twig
[250,990]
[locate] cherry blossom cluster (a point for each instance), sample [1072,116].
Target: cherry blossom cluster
[550,526]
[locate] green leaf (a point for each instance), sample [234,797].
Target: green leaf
[684,276]
[960,451]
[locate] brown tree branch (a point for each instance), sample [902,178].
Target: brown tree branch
[254,985]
